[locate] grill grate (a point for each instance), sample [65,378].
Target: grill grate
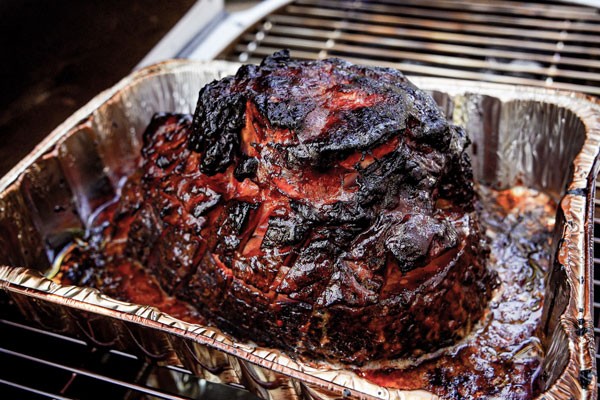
[546,44]
[46,365]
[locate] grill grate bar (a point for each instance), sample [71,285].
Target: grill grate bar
[419,9]
[43,332]
[50,357]
[81,342]
[264,51]
[368,39]
[385,15]
[333,46]
[437,11]
[82,372]
[33,390]
[482,35]
[316,20]
[549,9]
[545,44]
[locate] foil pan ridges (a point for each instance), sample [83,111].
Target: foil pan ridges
[539,138]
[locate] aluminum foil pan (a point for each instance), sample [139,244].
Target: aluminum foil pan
[542,139]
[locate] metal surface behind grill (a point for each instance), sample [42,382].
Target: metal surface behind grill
[550,44]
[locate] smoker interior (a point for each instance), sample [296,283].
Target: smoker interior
[552,44]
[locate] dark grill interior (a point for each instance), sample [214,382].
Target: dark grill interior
[549,44]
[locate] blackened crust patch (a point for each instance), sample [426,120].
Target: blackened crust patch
[328,108]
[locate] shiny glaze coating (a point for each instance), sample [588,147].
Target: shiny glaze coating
[320,207]
[502,358]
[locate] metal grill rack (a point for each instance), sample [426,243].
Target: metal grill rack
[540,43]
[42,365]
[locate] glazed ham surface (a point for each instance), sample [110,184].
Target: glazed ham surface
[320,207]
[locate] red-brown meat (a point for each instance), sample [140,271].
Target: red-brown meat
[321,207]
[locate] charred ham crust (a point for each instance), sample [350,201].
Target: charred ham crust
[318,206]
[217,122]
[332,107]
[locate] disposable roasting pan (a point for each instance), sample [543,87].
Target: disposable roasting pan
[539,138]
